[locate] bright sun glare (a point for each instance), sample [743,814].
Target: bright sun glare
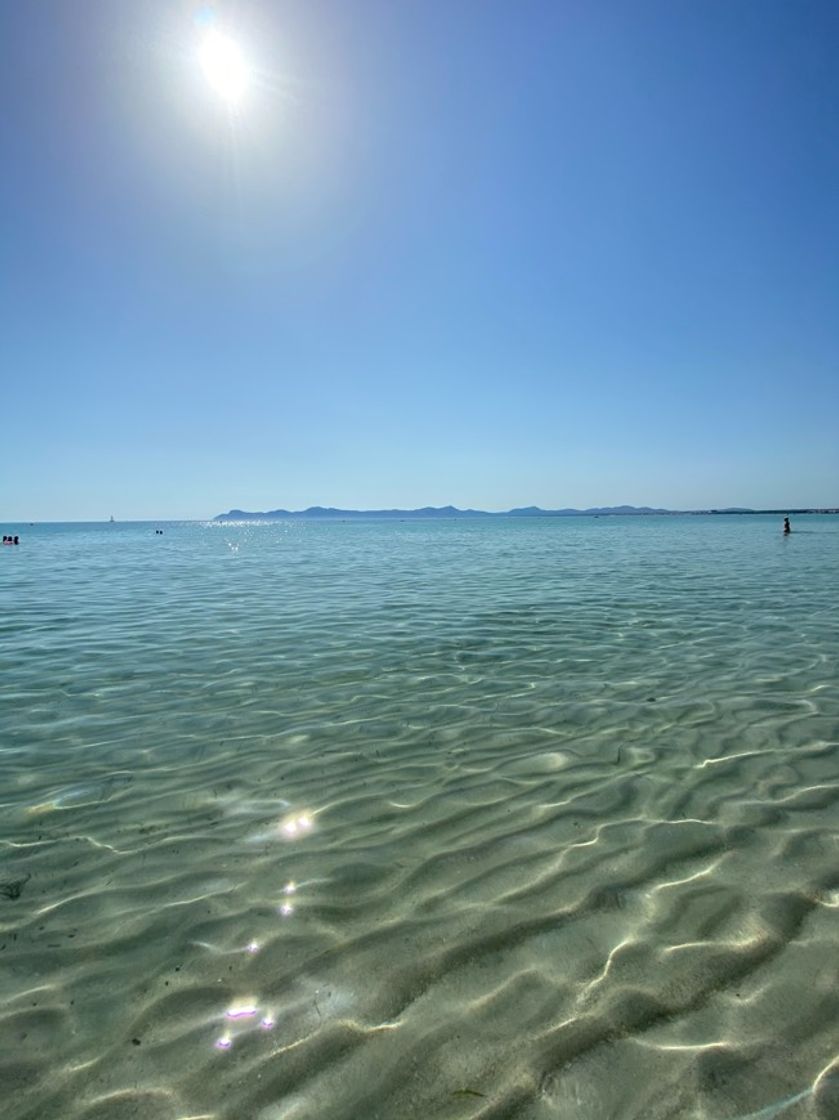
[224,67]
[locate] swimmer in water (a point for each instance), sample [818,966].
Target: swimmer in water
[787,528]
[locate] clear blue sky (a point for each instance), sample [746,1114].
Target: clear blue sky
[487,253]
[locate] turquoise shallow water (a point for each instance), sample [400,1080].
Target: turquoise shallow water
[513,818]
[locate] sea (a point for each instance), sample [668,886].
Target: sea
[473,819]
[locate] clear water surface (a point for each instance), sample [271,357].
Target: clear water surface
[511,818]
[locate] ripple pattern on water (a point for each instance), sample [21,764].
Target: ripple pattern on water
[508,819]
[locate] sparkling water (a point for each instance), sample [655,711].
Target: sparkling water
[499,818]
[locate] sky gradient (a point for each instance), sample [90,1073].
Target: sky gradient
[481,253]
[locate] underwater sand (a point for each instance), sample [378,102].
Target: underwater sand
[509,819]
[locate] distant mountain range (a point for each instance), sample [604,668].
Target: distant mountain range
[315,512]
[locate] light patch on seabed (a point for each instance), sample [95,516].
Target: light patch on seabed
[587,990]
[775,1108]
[80,797]
[702,873]
[587,1100]
[294,1107]
[233,805]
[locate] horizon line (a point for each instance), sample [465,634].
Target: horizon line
[327,512]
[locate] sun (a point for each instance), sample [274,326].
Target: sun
[225,67]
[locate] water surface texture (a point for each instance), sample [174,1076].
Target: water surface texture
[468,819]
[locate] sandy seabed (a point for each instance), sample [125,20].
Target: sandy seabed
[547,859]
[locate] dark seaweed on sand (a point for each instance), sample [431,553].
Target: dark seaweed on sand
[11,888]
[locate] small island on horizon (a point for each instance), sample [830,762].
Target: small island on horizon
[442,512]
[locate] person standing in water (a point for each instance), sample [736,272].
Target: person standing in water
[787,528]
